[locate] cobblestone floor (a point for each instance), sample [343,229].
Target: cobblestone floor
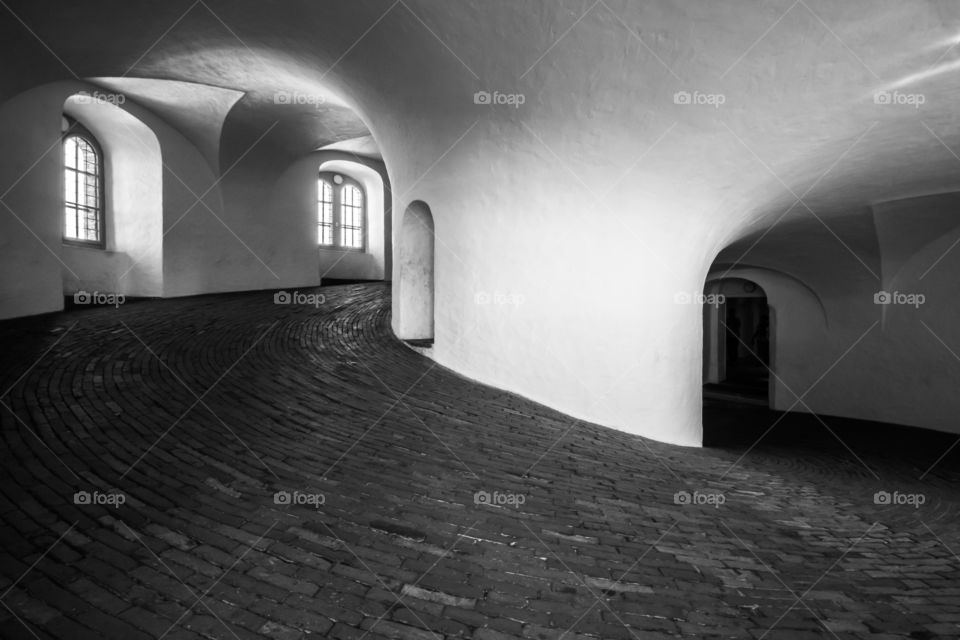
[224,467]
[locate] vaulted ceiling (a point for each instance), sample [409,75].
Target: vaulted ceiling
[799,127]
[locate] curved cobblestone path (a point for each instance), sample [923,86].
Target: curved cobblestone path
[225,467]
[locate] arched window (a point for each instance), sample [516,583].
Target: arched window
[341,213]
[351,217]
[83,187]
[325,213]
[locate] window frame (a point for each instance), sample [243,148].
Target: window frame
[76,130]
[337,191]
[321,183]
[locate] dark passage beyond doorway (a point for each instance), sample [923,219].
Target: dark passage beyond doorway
[742,330]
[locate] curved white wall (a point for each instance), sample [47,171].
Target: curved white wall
[132,261]
[31,227]
[544,290]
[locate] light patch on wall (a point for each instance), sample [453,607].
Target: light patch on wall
[197,110]
[132,262]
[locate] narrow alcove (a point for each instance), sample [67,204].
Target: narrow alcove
[415,290]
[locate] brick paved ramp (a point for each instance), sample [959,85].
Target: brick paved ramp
[225,467]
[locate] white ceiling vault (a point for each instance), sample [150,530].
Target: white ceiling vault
[799,82]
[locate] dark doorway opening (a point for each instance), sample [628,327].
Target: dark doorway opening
[747,335]
[738,362]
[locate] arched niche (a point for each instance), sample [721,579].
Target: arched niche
[414,318]
[131,262]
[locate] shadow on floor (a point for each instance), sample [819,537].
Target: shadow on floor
[736,426]
[747,382]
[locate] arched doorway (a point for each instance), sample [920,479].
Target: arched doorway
[415,290]
[737,342]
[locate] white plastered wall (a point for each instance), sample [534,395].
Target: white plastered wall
[131,262]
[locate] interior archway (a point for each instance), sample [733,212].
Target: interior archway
[414,295]
[738,359]
[370,264]
[131,260]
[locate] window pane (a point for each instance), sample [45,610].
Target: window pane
[82,185]
[92,228]
[91,192]
[351,217]
[70,152]
[69,186]
[324,212]
[71,230]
